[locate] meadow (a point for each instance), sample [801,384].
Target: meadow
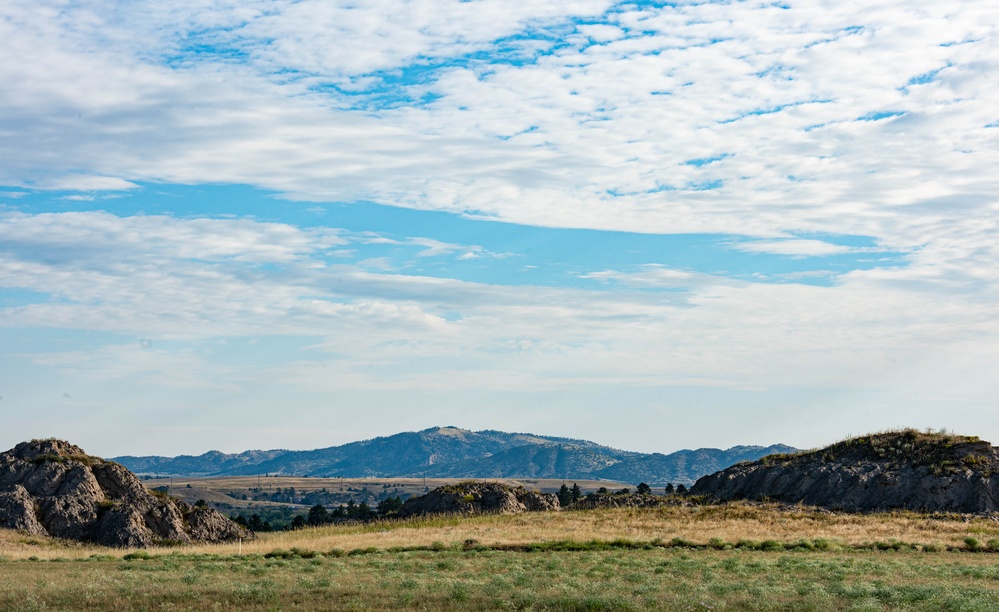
[734,556]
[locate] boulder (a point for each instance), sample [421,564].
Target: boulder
[17,511]
[52,487]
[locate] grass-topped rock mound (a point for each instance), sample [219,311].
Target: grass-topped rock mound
[479,497]
[905,469]
[54,488]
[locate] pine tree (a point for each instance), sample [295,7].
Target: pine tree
[318,515]
[669,489]
[577,493]
[564,496]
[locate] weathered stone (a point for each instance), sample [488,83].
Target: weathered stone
[17,511]
[898,470]
[51,487]
[207,525]
[632,500]
[475,498]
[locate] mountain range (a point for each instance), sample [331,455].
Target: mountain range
[450,452]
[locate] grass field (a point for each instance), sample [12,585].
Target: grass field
[736,556]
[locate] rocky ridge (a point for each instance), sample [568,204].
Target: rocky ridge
[477,497]
[905,469]
[53,488]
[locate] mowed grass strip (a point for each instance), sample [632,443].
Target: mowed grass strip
[472,579]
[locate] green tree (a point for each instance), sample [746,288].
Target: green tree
[669,489]
[255,524]
[390,506]
[298,522]
[643,489]
[681,490]
[577,493]
[564,496]
[318,515]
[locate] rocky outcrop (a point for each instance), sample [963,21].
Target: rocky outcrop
[52,487]
[476,497]
[630,500]
[896,470]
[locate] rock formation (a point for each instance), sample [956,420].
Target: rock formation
[629,500]
[51,487]
[896,470]
[476,497]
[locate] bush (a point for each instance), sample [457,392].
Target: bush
[139,555]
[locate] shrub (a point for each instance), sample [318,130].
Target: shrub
[139,555]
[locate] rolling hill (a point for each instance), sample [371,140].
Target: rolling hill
[450,452]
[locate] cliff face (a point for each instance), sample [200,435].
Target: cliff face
[52,487]
[897,470]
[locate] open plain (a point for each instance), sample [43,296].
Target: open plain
[732,556]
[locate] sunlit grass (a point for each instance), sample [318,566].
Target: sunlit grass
[486,579]
[699,524]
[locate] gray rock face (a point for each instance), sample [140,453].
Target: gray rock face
[51,487]
[634,500]
[474,498]
[17,511]
[898,470]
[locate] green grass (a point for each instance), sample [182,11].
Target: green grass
[618,576]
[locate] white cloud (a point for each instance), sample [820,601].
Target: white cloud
[85,183]
[162,277]
[774,95]
[798,248]
[731,118]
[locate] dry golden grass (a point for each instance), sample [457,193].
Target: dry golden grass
[698,524]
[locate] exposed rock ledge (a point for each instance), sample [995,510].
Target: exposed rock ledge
[476,497]
[52,487]
[897,470]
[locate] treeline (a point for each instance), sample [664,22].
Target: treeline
[323,496]
[568,496]
[283,519]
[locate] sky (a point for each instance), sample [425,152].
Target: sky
[239,224]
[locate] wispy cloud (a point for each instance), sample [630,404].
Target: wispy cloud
[799,248]
[768,124]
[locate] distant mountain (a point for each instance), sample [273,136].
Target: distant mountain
[208,464]
[450,452]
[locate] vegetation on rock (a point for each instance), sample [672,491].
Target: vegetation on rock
[896,469]
[52,487]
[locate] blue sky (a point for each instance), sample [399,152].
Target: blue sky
[263,224]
